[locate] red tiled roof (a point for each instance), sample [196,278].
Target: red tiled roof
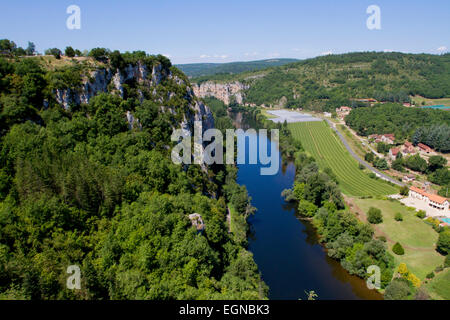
[395,151]
[432,197]
[424,147]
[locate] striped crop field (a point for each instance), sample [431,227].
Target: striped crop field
[319,140]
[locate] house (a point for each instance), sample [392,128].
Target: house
[393,152]
[388,138]
[408,149]
[432,200]
[375,137]
[409,178]
[343,111]
[424,148]
[407,104]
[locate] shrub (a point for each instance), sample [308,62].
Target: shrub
[430,275]
[443,243]
[438,269]
[414,280]
[402,269]
[447,261]
[398,217]
[404,191]
[398,249]
[374,216]
[421,214]
[382,238]
[398,289]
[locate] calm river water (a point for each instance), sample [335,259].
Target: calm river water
[286,248]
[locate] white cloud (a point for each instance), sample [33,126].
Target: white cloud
[251,54]
[274,55]
[296,49]
[326,53]
[221,56]
[203,56]
[388,50]
[167,55]
[442,49]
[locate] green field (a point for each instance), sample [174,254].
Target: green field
[417,238]
[439,287]
[319,140]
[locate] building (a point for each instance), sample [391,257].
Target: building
[388,138]
[432,200]
[343,111]
[408,149]
[424,148]
[409,178]
[393,152]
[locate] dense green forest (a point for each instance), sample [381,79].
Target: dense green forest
[431,127]
[325,82]
[196,70]
[80,187]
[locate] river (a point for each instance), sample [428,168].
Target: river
[286,247]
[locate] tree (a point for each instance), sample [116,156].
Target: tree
[416,163]
[70,52]
[440,176]
[443,243]
[397,165]
[307,208]
[436,162]
[369,157]
[398,249]
[398,217]
[374,216]
[398,289]
[54,52]
[31,49]
[7,46]
[404,190]
[381,164]
[100,54]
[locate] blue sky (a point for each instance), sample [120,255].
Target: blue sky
[231,30]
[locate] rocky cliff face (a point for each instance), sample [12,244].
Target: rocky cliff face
[147,81]
[222,91]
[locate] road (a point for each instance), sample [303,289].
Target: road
[364,163]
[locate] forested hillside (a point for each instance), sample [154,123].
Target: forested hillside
[325,82]
[431,127]
[86,179]
[196,70]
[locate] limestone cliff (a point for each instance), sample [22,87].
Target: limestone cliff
[222,91]
[148,82]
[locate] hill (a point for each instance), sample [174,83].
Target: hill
[325,82]
[87,182]
[195,70]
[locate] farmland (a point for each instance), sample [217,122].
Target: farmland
[319,140]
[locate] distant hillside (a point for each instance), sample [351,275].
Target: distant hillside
[194,70]
[325,82]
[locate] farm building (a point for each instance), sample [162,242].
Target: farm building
[343,111]
[409,178]
[393,152]
[408,149]
[424,148]
[432,200]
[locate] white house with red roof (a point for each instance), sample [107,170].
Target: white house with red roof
[431,200]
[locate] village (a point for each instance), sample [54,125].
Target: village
[422,193]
